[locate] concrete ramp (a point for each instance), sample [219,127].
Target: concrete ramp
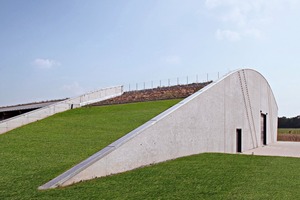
[35,115]
[234,114]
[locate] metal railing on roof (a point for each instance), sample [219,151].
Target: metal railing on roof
[180,80]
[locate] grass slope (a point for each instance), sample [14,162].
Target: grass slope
[36,153]
[203,176]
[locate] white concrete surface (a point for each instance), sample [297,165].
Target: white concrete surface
[82,100]
[204,122]
[285,149]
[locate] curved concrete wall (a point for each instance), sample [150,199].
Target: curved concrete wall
[35,115]
[204,122]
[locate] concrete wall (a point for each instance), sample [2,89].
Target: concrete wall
[204,122]
[88,98]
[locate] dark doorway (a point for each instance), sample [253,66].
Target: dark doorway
[239,140]
[263,125]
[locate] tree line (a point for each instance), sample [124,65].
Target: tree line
[284,122]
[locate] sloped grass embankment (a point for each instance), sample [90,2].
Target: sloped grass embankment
[36,153]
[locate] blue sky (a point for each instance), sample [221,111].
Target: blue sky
[62,48]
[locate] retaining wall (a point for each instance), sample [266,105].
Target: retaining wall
[207,121]
[35,115]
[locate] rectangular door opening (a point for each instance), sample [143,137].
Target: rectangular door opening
[263,125]
[239,140]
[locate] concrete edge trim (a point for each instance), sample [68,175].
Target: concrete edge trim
[56,182]
[88,93]
[100,99]
[59,180]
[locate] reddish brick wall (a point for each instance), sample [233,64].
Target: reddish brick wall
[160,93]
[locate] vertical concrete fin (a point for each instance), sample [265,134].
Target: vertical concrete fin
[270,114]
[246,108]
[250,108]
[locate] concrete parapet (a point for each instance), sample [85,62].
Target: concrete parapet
[35,115]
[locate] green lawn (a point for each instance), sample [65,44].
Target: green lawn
[36,153]
[288,130]
[203,176]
